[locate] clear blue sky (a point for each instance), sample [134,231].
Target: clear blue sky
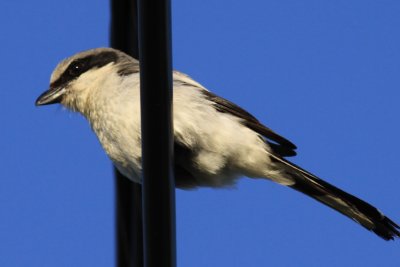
[325,74]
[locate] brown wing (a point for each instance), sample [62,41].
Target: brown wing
[280,145]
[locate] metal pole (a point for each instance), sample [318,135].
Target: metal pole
[157,135]
[129,226]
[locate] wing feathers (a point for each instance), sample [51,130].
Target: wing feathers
[279,144]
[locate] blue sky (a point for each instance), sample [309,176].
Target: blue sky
[325,74]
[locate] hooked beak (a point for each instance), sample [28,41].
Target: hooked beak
[51,96]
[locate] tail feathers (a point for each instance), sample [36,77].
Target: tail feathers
[354,208]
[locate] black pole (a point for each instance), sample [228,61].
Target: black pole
[157,137]
[129,226]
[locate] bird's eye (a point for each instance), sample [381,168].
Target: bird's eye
[76,68]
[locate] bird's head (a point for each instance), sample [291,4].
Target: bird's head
[81,75]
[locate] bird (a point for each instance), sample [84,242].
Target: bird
[215,141]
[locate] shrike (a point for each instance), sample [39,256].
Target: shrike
[216,141]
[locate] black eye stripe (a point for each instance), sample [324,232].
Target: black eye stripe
[82,65]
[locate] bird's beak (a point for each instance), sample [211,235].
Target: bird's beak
[51,96]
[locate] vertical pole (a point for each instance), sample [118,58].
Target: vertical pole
[157,136]
[128,195]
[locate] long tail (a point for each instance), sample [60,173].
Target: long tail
[356,209]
